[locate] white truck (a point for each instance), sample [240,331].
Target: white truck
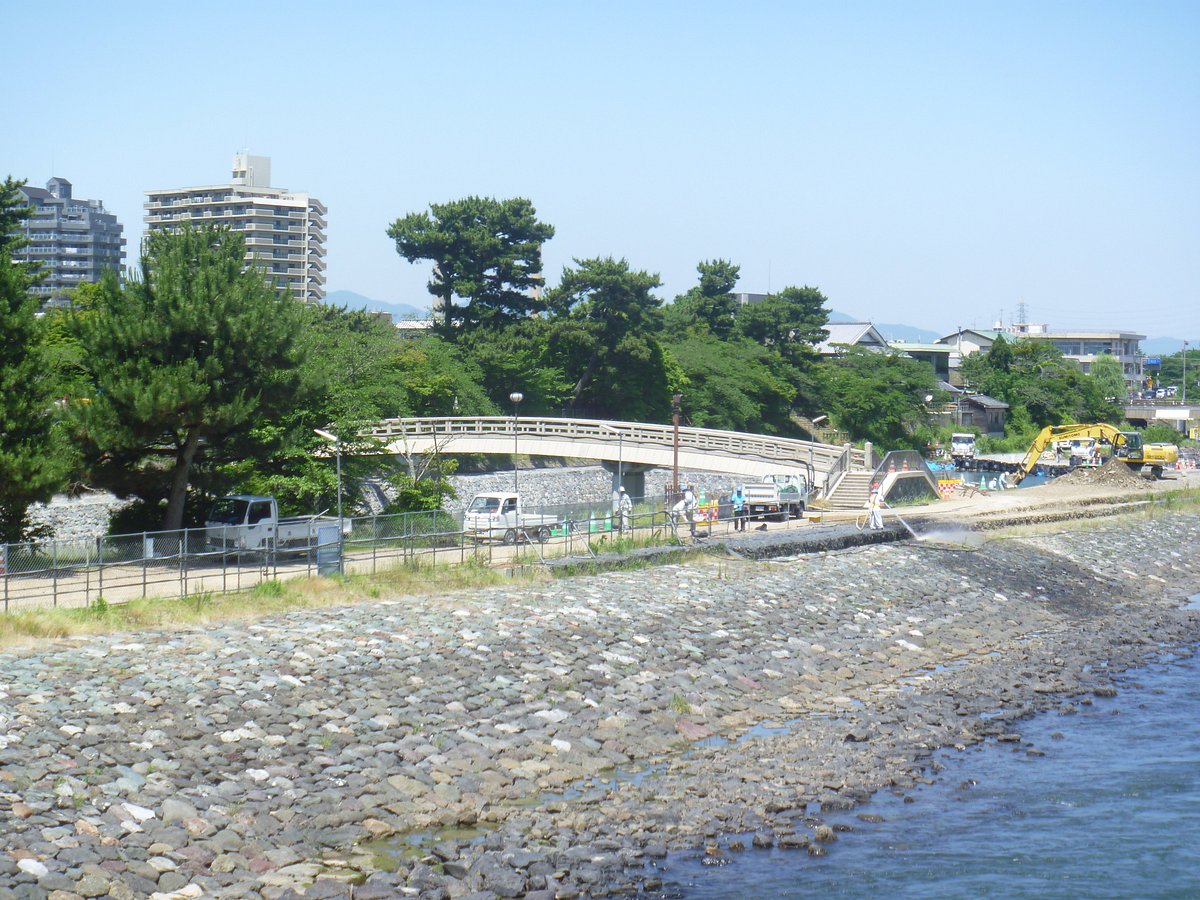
[499,516]
[962,447]
[247,522]
[778,496]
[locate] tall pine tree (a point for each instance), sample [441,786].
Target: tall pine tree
[31,466]
[197,350]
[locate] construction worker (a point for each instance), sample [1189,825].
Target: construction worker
[625,507]
[689,507]
[875,505]
[738,501]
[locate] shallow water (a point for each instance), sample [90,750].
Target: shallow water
[1111,810]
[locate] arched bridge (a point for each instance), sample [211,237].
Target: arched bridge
[628,443]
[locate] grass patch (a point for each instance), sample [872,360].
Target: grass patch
[35,627]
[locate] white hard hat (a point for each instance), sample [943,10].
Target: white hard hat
[621,489]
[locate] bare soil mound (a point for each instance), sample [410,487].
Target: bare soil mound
[1113,474]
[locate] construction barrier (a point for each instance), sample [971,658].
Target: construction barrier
[946,488]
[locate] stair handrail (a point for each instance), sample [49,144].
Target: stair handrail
[899,461]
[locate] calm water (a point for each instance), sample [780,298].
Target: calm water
[1111,811]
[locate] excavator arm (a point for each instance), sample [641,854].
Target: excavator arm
[1052,433]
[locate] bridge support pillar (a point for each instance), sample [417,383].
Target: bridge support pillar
[632,477]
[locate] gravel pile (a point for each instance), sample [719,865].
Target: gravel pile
[1113,473]
[559,739]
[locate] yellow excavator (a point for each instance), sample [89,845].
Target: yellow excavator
[1127,446]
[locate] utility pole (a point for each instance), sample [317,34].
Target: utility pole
[676,399]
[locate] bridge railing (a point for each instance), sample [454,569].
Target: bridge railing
[711,440]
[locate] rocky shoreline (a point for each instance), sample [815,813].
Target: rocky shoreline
[558,739]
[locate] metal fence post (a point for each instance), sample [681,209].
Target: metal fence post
[100,566]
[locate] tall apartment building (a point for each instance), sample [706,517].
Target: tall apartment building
[72,241]
[285,230]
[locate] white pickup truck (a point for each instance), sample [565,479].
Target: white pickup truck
[778,496]
[498,516]
[246,522]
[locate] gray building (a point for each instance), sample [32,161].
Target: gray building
[285,230]
[72,241]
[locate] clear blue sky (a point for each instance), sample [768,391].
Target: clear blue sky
[929,163]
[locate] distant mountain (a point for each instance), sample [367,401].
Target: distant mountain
[1166,346]
[398,311]
[909,333]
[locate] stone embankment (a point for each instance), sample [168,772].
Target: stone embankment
[558,739]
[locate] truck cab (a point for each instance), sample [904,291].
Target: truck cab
[242,521]
[962,447]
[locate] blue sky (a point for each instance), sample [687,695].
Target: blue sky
[929,163]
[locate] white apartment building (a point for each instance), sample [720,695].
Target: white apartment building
[1085,346]
[285,230]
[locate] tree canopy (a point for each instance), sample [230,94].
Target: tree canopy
[710,305]
[607,336]
[879,397]
[486,252]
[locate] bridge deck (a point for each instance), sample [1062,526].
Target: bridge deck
[703,449]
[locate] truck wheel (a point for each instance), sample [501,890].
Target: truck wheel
[510,536]
[543,534]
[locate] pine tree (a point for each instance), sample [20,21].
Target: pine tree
[195,351]
[31,468]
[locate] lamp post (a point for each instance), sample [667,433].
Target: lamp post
[676,399]
[337,449]
[516,397]
[1184,398]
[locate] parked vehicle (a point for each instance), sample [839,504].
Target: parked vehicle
[779,496]
[962,447]
[499,516]
[247,522]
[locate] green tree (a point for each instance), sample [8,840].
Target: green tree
[736,385]
[879,397]
[710,305]
[14,210]
[1034,378]
[195,351]
[1109,377]
[519,358]
[33,460]
[791,322]
[605,331]
[486,252]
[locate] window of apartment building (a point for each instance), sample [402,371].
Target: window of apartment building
[1096,348]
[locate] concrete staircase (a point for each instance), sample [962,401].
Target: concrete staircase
[851,492]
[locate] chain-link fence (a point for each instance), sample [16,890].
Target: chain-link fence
[120,568]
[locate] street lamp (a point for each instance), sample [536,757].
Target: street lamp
[516,397]
[1184,398]
[337,449]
